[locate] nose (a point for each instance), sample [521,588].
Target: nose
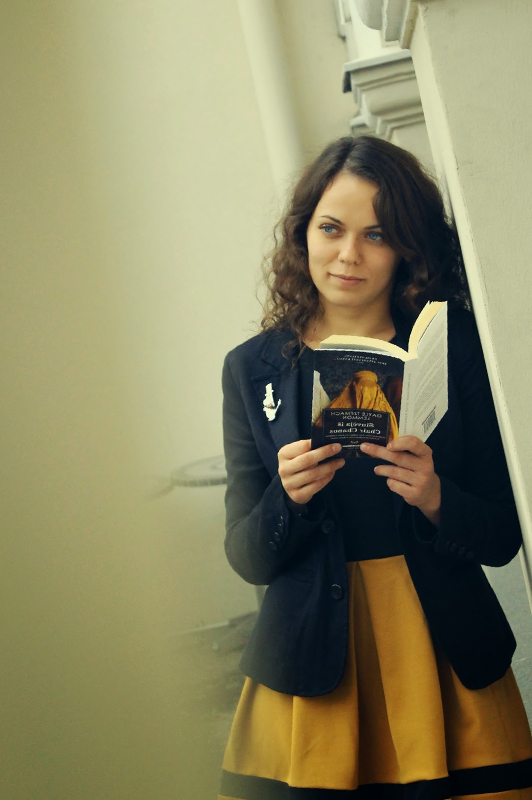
[349,251]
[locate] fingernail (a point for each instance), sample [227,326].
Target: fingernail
[364,446]
[337,448]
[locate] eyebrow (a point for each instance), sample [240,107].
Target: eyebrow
[367,228]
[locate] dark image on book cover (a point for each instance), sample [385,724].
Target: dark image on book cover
[356,398]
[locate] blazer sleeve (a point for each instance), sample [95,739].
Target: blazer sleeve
[478,518]
[263,534]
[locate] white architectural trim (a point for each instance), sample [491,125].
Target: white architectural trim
[447,166]
[264,43]
[386,93]
[358,65]
[370,12]
[344,26]
[393,18]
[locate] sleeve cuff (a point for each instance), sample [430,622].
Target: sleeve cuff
[313,511]
[424,530]
[448,538]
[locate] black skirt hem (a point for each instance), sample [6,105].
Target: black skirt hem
[477,780]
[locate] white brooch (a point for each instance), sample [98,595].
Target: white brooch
[268,404]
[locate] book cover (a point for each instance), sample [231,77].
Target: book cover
[356,398]
[368,390]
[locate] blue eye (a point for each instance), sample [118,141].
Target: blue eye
[378,236]
[328,228]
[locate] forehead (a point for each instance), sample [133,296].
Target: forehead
[348,195]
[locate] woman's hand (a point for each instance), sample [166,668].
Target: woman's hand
[412,475]
[301,473]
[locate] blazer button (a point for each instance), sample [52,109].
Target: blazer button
[273,546]
[336,591]
[461,551]
[452,547]
[469,555]
[276,536]
[328,526]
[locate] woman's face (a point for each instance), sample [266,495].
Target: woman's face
[349,262]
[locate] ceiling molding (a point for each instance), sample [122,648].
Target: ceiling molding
[386,94]
[393,18]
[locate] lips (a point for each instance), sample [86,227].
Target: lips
[347,280]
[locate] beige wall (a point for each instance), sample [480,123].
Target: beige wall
[86,678]
[178,171]
[137,203]
[132,201]
[134,190]
[194,231]
[138,200]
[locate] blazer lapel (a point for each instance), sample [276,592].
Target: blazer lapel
[284,380]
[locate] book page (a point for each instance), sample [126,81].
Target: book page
[421,324]
[429,400]
[337,342]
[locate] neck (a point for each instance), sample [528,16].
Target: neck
[374,323]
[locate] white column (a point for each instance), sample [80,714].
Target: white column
[269,69]
[471,61]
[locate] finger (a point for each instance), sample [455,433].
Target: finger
[303,446]
[400,488]
[311,458]
[377,451]
[405,460]
[402,458]
[407,476]
[305,493]
[294,449]
[295,480]
[410,443]
[326,451]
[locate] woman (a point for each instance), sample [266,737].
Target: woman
[380,662]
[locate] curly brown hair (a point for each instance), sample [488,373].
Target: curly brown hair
[412,215]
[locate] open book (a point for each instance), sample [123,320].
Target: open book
[368,390]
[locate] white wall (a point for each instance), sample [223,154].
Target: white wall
[471,60]
[414,138]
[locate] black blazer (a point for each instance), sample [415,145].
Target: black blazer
[299,644]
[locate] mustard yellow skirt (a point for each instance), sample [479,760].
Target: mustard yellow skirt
[400,725]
